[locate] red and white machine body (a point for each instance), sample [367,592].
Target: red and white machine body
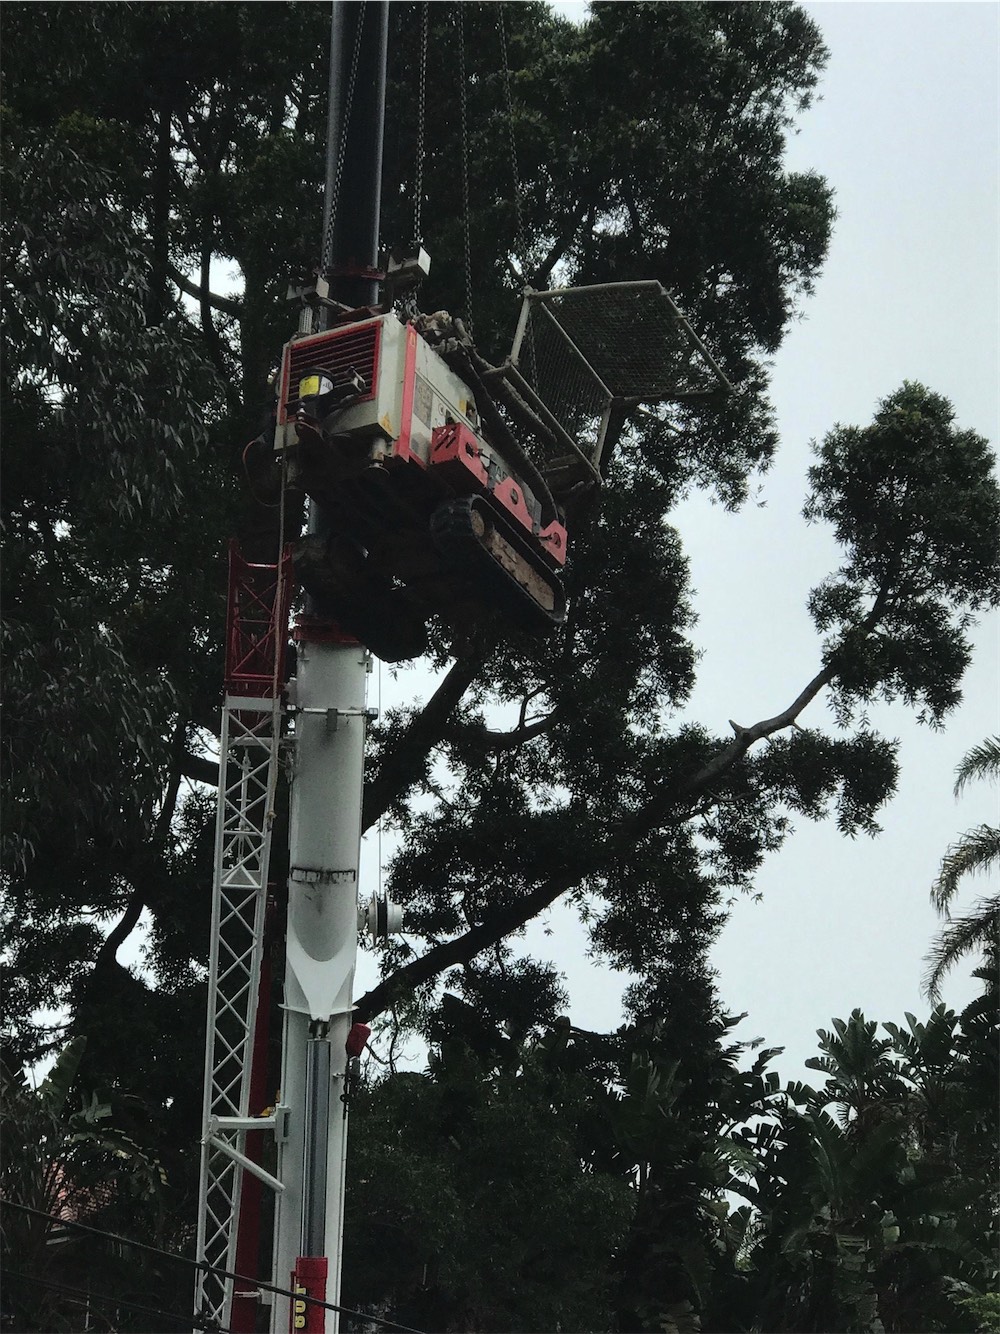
[395,452]
[409,389]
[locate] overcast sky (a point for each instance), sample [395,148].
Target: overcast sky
[906,133]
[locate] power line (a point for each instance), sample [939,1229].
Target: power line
[105,1298]
[209,1268]
[100,1232]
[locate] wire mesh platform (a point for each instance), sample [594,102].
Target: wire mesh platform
[578,353]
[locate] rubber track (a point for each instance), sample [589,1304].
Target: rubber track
[453,530]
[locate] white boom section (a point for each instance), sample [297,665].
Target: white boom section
[248,767]
[321,948]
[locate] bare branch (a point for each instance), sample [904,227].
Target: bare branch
[463,948]
[222,303]
[200,769]
[402,768]
[746,736]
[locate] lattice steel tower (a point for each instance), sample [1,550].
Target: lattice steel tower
[249,758]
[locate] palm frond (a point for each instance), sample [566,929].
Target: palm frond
[976,850]
[980,762]
[977,929]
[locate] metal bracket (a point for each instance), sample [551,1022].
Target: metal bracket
[333,716]
[319,875]
[218,1123]
[379,917]
[246,1163]
[344,713]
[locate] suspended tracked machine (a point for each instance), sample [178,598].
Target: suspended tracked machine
[426,513]
[443,481]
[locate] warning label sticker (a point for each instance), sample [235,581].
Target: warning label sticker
[423,399]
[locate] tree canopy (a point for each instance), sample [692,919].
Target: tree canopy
[977,850]
[658,1178]
[158,144]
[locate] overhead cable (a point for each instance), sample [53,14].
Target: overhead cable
[209,1268]
[103,1298]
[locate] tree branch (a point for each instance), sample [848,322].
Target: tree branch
[208,330]
[400,768]
[166,815]
[200,769]
[540,275]
[463,948]
[119,933]
[746,736]
[628,199]
[498,925]
[506,920]
[494,741]
[425,731]
[200,294]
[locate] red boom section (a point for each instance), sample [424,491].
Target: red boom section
[257,624]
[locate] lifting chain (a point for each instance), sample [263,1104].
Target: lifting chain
[521,237]
[418,174]
[465,167]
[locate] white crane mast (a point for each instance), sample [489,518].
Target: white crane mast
[320,951]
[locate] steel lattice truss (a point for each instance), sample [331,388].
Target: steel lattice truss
[248,763]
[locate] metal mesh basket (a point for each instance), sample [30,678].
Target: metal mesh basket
[562,377]
[581,351]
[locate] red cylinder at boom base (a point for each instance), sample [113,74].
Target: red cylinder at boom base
[308,1280]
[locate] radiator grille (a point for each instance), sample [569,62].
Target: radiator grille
[355,348]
